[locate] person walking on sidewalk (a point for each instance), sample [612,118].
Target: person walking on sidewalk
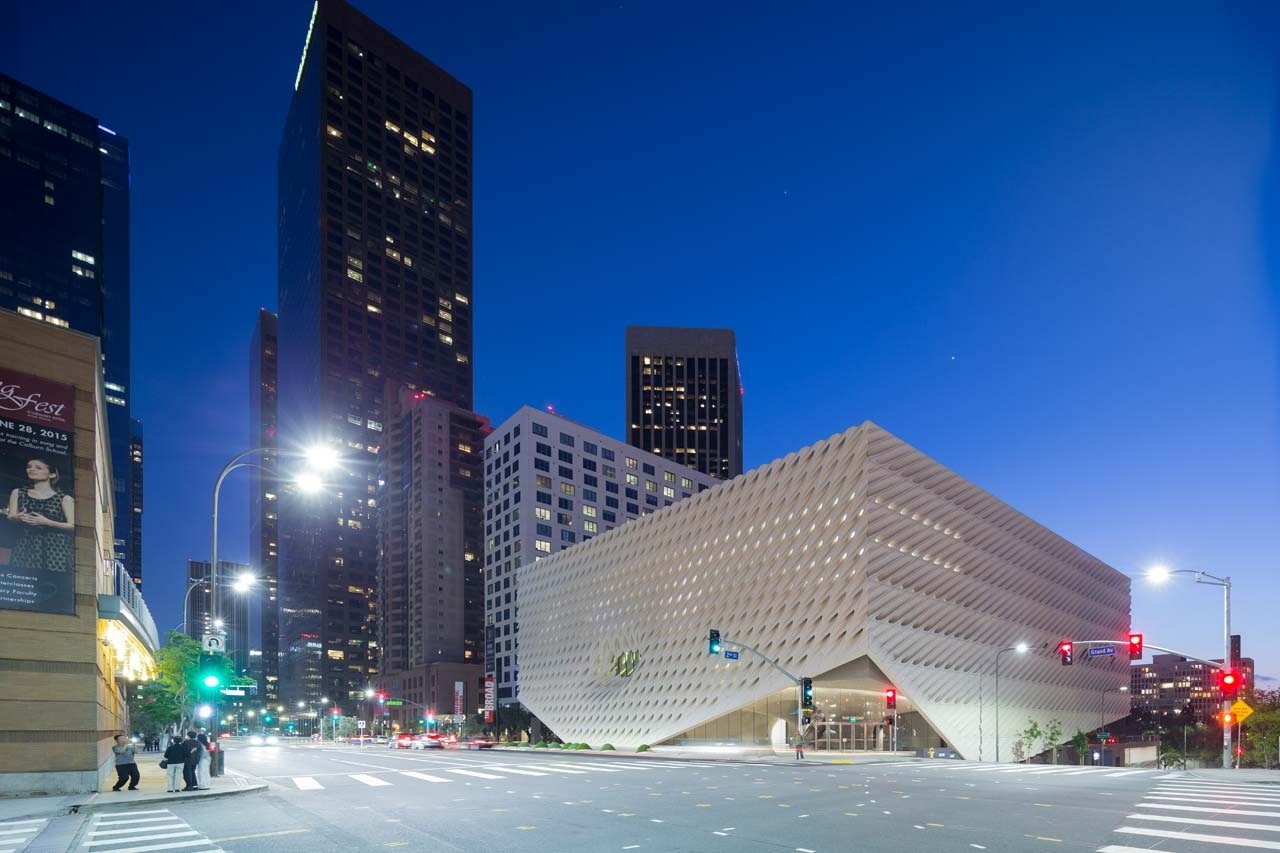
[126,764]
[175,759]
[191,750]
[202,768]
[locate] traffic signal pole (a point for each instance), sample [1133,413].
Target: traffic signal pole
[773,663]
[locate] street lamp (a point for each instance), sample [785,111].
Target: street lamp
[1103,711]
[242,584]
[1020,648]
[1160,574]
[319,458]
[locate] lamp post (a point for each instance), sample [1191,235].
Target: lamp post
[1103,711]
[1160,574]
[1021,649]
[242,584]
[319,458]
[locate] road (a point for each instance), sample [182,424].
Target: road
[340,798]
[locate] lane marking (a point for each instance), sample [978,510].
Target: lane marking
[593,767]
[372,781]
[260,835]
[124,822]
[30,820]
[507,768]
[425,777]
[1124,773]
[553,769]
[306,783]
[1238,801]
[131,814]
[1198,836]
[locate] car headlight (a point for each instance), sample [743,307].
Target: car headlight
[273,739]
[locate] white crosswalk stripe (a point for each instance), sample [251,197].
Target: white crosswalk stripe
[1186,814]
[144,831]
[15,835]
[444,770]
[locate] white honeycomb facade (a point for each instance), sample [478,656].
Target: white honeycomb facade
[857,547]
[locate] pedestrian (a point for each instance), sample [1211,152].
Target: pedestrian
[126,764]
[191,750]
[175,757]
[799,747]
[202,767]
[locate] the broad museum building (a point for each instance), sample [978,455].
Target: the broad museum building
[858,562]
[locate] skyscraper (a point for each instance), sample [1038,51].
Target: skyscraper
[684,397]
[264,507]
[64,252]
[233,608]
[570,484]
[135,501]
[374,285]
[430,582]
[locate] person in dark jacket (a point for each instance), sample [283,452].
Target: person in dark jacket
[191,749]
[176,758]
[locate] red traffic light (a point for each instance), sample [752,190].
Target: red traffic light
[891,698]
[1066,650]
[1229,683]
[1135,646]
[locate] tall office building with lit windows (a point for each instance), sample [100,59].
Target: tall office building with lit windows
[64,255]
[264,510]
[684,397]
[374,265]
[551,483]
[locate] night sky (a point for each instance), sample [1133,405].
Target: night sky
[1040,244]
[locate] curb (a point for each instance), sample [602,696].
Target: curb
[96,804]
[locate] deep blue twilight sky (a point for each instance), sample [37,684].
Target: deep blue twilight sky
[1040,242]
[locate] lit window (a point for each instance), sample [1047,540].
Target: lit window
[669,476]
[373,309]
[392,253]
[462,359]
[354,276]
[686,483]
[542,545]
[391,126]
[589,511]
[64,324]
[355,262]
[447,340]
[669,492]
[445,315]
[631,463]
[633,480]
[48,200]
[333,131]
[81,256]
[461,299]
[567,489]
[408,261]
[374,425]
[542,512]
[590,527]
[650,486]
[27,312]
[335,654]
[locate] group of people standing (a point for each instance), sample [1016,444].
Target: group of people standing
[187,760]
[190,760]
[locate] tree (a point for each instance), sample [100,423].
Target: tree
[178,687]
[1029,736]
[1080,743]
[1262,740]
[512,722]
[1052,737]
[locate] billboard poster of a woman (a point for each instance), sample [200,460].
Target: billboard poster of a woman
[37,465]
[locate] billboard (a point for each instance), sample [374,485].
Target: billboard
[37,470]
[490,699]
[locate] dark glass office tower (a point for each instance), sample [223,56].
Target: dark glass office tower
[233,608]
[64,251]
[684,397]
[264,499]
[374,285]
[135,501]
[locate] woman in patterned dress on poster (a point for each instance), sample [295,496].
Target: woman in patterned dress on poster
[46,519]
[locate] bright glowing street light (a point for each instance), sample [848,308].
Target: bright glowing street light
[245,582]
[204,712]
[302,705]
[1021,648]
[322,457]
[211,681]
[1158,574]
[308,482]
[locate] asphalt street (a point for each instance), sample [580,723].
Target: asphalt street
[341,798]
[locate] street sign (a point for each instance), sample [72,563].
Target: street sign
[395,703]
[1241,709]
[730,655]
[214,643]
[359,724]
[1103,735]
[230,691]
[1097,651]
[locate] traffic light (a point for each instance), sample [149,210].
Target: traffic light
[1066,650]
[382,698]
[1229,683]
[713,642]
[430,721]
[1228,718]
[266,718]
[1135,646]
[891,698]
[335,712]
[806,692]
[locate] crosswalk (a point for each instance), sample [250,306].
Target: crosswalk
[148,830]
[1188,815]
[486,771]
[1030,770]
[15,835]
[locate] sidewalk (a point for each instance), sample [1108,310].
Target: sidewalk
[151,790]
